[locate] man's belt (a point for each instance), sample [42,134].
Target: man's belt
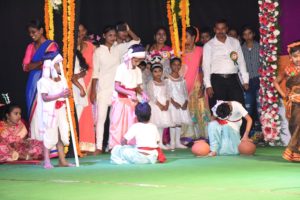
[224,75]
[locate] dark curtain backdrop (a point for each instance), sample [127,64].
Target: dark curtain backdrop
[143,16]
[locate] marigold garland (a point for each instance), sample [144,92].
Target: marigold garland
[175,27]
[46,18]
[171,28]
[173,14]
[51,22]
[187,16]
[68,54]
[183,24]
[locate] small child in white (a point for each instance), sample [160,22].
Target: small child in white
[179,103]
[147,137]
[157,90]
[53,124]
[224,132]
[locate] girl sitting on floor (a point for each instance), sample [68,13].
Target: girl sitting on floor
[13,133]
[147,137]
[224,132]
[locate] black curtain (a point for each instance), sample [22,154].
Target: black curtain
[143,16]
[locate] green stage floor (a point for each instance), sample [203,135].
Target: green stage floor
[263,176]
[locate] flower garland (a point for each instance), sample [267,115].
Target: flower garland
[46,18]
[171,27]
[175,27]
[49,19]
[51,22]
[173,16]
[269,99]
[183,24]
[56,4]
[187,16]
[68,18]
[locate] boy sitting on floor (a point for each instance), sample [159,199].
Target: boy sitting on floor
[147,137]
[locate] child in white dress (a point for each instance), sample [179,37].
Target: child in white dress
[179,101]
[51,110]
[159,101]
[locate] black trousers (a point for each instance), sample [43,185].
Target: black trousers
[227,88]
[106,130]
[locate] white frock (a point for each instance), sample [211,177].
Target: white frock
[178,92]
[159,92]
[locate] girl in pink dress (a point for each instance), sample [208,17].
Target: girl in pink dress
[128,82]
[13,145]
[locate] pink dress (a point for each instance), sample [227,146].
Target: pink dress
[13,147]
[122,114]
[86,122]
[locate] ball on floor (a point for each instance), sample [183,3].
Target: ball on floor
[247,148]
[200,148]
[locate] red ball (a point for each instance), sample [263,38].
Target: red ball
[247,148]
[200,148]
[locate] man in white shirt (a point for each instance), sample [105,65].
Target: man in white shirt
[222,61]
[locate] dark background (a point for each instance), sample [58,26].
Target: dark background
[143,16]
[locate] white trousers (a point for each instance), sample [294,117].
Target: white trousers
[101,117]
[61,129]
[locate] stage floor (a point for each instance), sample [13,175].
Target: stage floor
[263,176]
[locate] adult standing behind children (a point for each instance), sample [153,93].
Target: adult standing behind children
[222,61]
[250,50]
[84,113]
[106,60]
[32,63]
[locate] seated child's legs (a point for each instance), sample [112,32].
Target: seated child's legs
[214,135]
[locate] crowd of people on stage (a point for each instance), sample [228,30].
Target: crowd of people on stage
[135,100]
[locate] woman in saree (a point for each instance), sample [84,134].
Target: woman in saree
[85,115]
[32,63]
[192,72]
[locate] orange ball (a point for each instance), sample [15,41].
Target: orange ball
[200,148]
[247,148]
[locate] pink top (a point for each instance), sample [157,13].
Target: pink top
[192,61]
[30,51]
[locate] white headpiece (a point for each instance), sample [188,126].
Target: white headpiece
[130,54]
[48,67]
